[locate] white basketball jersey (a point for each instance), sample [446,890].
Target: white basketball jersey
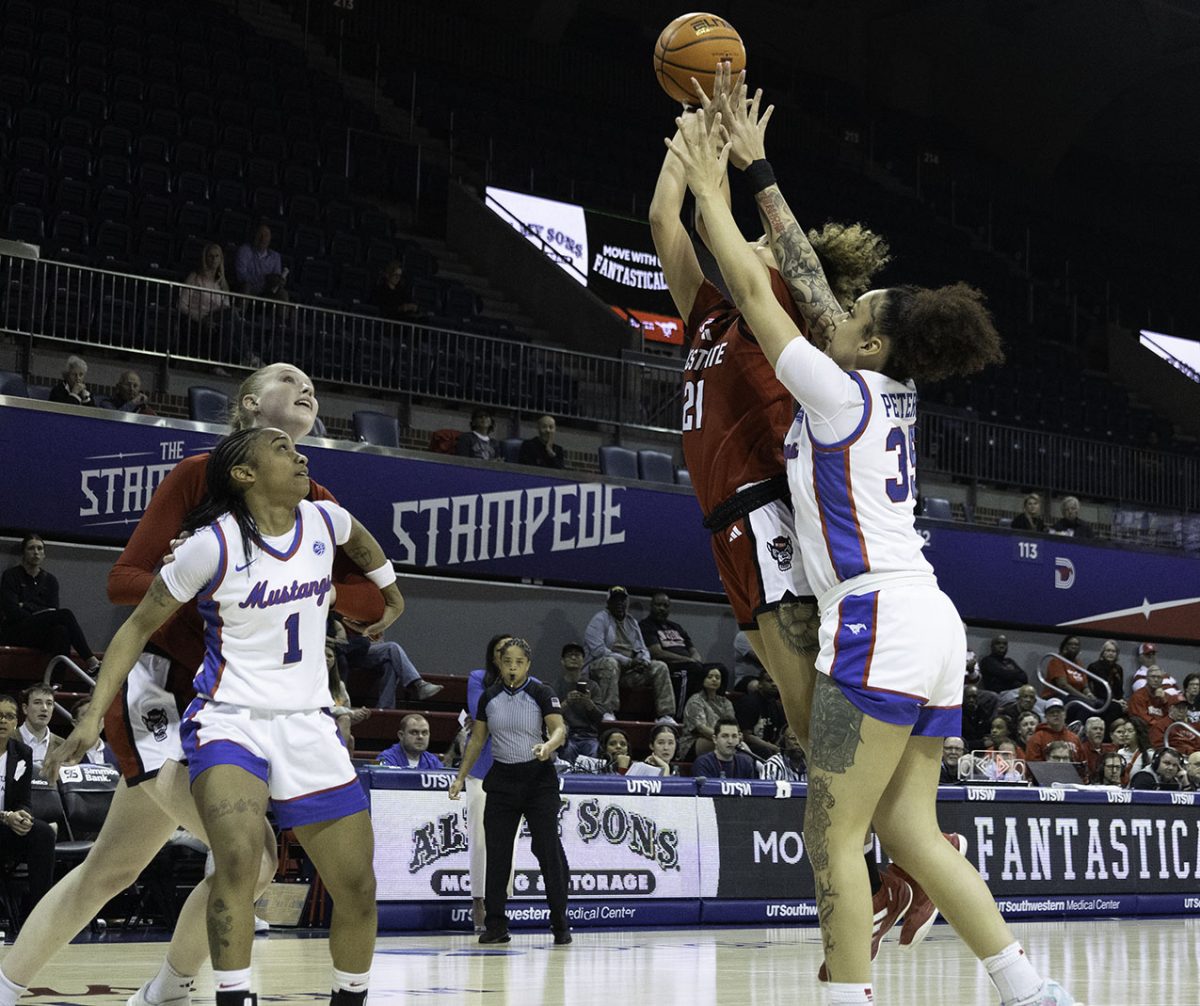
[855,492]
[264,619]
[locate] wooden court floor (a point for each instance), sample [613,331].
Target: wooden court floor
[1103,963]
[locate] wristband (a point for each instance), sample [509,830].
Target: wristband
[760,175]
[382,577]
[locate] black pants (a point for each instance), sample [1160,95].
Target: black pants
[54,631]
[529,788]
[36,850]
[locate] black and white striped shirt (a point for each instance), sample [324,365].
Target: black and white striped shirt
[516,718]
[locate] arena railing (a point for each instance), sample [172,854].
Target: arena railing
[84,306]
[1067,697]
[1183,726]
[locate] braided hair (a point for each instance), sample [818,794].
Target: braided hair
[222,498]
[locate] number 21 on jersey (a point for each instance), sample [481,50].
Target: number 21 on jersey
[693,404]
[904,444]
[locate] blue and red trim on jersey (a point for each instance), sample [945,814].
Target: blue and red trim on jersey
[295,544]
[208,678]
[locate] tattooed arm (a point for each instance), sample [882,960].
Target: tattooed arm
[367,554]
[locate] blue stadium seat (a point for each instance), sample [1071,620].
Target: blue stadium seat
[683,477]
[937,508]
[207,405]
[12,383]
[618,461]
[512,449]
[376,428]
[656,466]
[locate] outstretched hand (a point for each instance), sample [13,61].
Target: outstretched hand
[700,148]
[71,751]
[723,86]
[742,125]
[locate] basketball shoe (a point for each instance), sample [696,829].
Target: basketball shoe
[889,904]
[139,998]
[1050,994]
[922,914]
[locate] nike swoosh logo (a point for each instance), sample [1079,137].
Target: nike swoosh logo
[238,569]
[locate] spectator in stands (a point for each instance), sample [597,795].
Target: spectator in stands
[614,743]
[725,761]
[1147,657]
[1075,686]
[380,658]
[701,714]
[30,610]
[37,709]
[664,745]
[101,754]
[978,711]
[1026,725]
[1059,751]
[1191,699]
[669,642]
[1107,668]
[257,269]
[393,293]
[1069,523]
[1095,748]
[617,653]
[1192,767]
[478,441]
[998,734]
[209,310]
[73,389]
[746,665]
[580,712]
[1181,739]
[787,763]
[1053,729]
[1131,746]
[1165,771]
[23,838]
[953,748]
[412,751]
[128,396]
[999,673]
[1030,517]
[1027,701]
[761,716]
[1114,768]
[1152,705]
[541,450]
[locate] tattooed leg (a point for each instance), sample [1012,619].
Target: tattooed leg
[852,758]
[232,803]
[786,643]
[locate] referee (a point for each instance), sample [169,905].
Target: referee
[519,713]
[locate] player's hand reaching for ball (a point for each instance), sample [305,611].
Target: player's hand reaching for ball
[73,750]
[722,86]
[701,151]
[742,125]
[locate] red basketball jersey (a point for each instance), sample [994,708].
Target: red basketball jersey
[735,411]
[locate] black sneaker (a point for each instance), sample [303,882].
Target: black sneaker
[562,937]
[495,936]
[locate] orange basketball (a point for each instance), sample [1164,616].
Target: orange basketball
[691,46]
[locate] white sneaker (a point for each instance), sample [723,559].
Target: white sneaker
[1051,994]
[261,925]
[139,999]
[608,718]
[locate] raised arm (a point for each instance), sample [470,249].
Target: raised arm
[797,261]
[119,657]
[681,268]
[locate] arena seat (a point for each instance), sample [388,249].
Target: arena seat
[683,477]
[937,508]
[207,405]
[22,664]
[656,466]
[512,449]
[12,383]
[376,428]
[618,461]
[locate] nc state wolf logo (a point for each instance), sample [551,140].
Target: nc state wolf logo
[780,548]
[856,627]
[156,722]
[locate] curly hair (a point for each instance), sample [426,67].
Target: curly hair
[851,255]
[937,334]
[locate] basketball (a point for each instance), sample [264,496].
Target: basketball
[691,46]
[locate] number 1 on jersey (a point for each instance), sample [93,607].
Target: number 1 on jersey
[293,653]
[693,405]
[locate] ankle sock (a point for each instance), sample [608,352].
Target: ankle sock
[169,984]
[10,992]
[1012,974]
[849,993]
